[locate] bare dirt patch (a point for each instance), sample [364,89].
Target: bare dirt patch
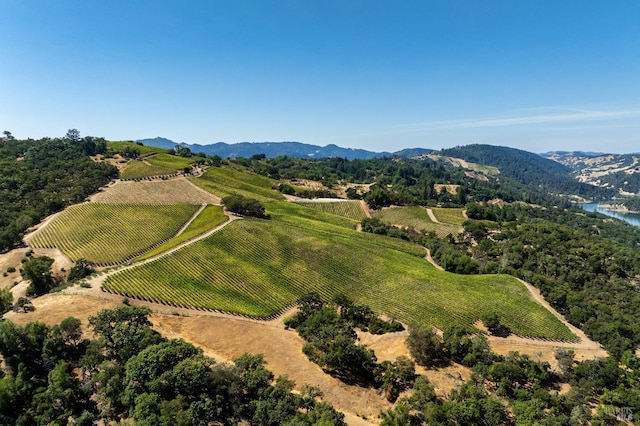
[177,190]
[11,259]
[451,189]
[53,308]
[116,161]
[390,346]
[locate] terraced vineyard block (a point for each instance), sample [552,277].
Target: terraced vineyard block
[108,234]
[350,209]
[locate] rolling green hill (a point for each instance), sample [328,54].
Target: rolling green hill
[259,267]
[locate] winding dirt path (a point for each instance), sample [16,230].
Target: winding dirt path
[31,232]
[97,281]
[431,261]
[432,216]
[365,208]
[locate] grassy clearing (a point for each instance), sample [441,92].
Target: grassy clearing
[350,209]
[416,217]
[259,267]
[487,170]
[155,192]
[208,219]
[223,181]
[108,234]
[450,216]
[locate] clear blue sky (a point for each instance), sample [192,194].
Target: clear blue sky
[381,75]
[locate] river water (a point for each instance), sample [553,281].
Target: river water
[632,218]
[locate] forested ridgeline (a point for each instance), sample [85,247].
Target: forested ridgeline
[55,376]
[402,181]
[41,177]
[529,169]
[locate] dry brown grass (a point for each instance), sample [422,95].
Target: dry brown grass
[225,337]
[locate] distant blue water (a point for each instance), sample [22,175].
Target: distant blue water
[632,218]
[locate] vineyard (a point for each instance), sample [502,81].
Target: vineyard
[258,268]
[350,209]
[450,216]
[208,219]
[416,217]
[169,161]
[108,234]
[178,190]
[297,216]
[140,170]
[223,181]
[144,150]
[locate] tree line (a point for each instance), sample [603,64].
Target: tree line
[41,177]
[56,376]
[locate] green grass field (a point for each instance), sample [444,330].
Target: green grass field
[450,216]
[350,209]
[208,218]
[108,234]
[416,217]
[259,267]
[223,181]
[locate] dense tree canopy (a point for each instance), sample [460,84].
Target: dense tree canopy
[38,178]
[54,376]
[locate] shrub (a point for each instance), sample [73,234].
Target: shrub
[244,206]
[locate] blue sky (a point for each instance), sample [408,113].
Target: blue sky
[379,75]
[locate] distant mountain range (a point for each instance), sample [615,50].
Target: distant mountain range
[277,149]
[574,172]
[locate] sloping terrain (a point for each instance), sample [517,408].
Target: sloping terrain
[178,190]
[107,234]
[620,172]
[531,170]
[258,268]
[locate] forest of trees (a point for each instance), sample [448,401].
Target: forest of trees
[529,169]
[515,389]
[41,177]
[56,376]
[400,181]
[328,330]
